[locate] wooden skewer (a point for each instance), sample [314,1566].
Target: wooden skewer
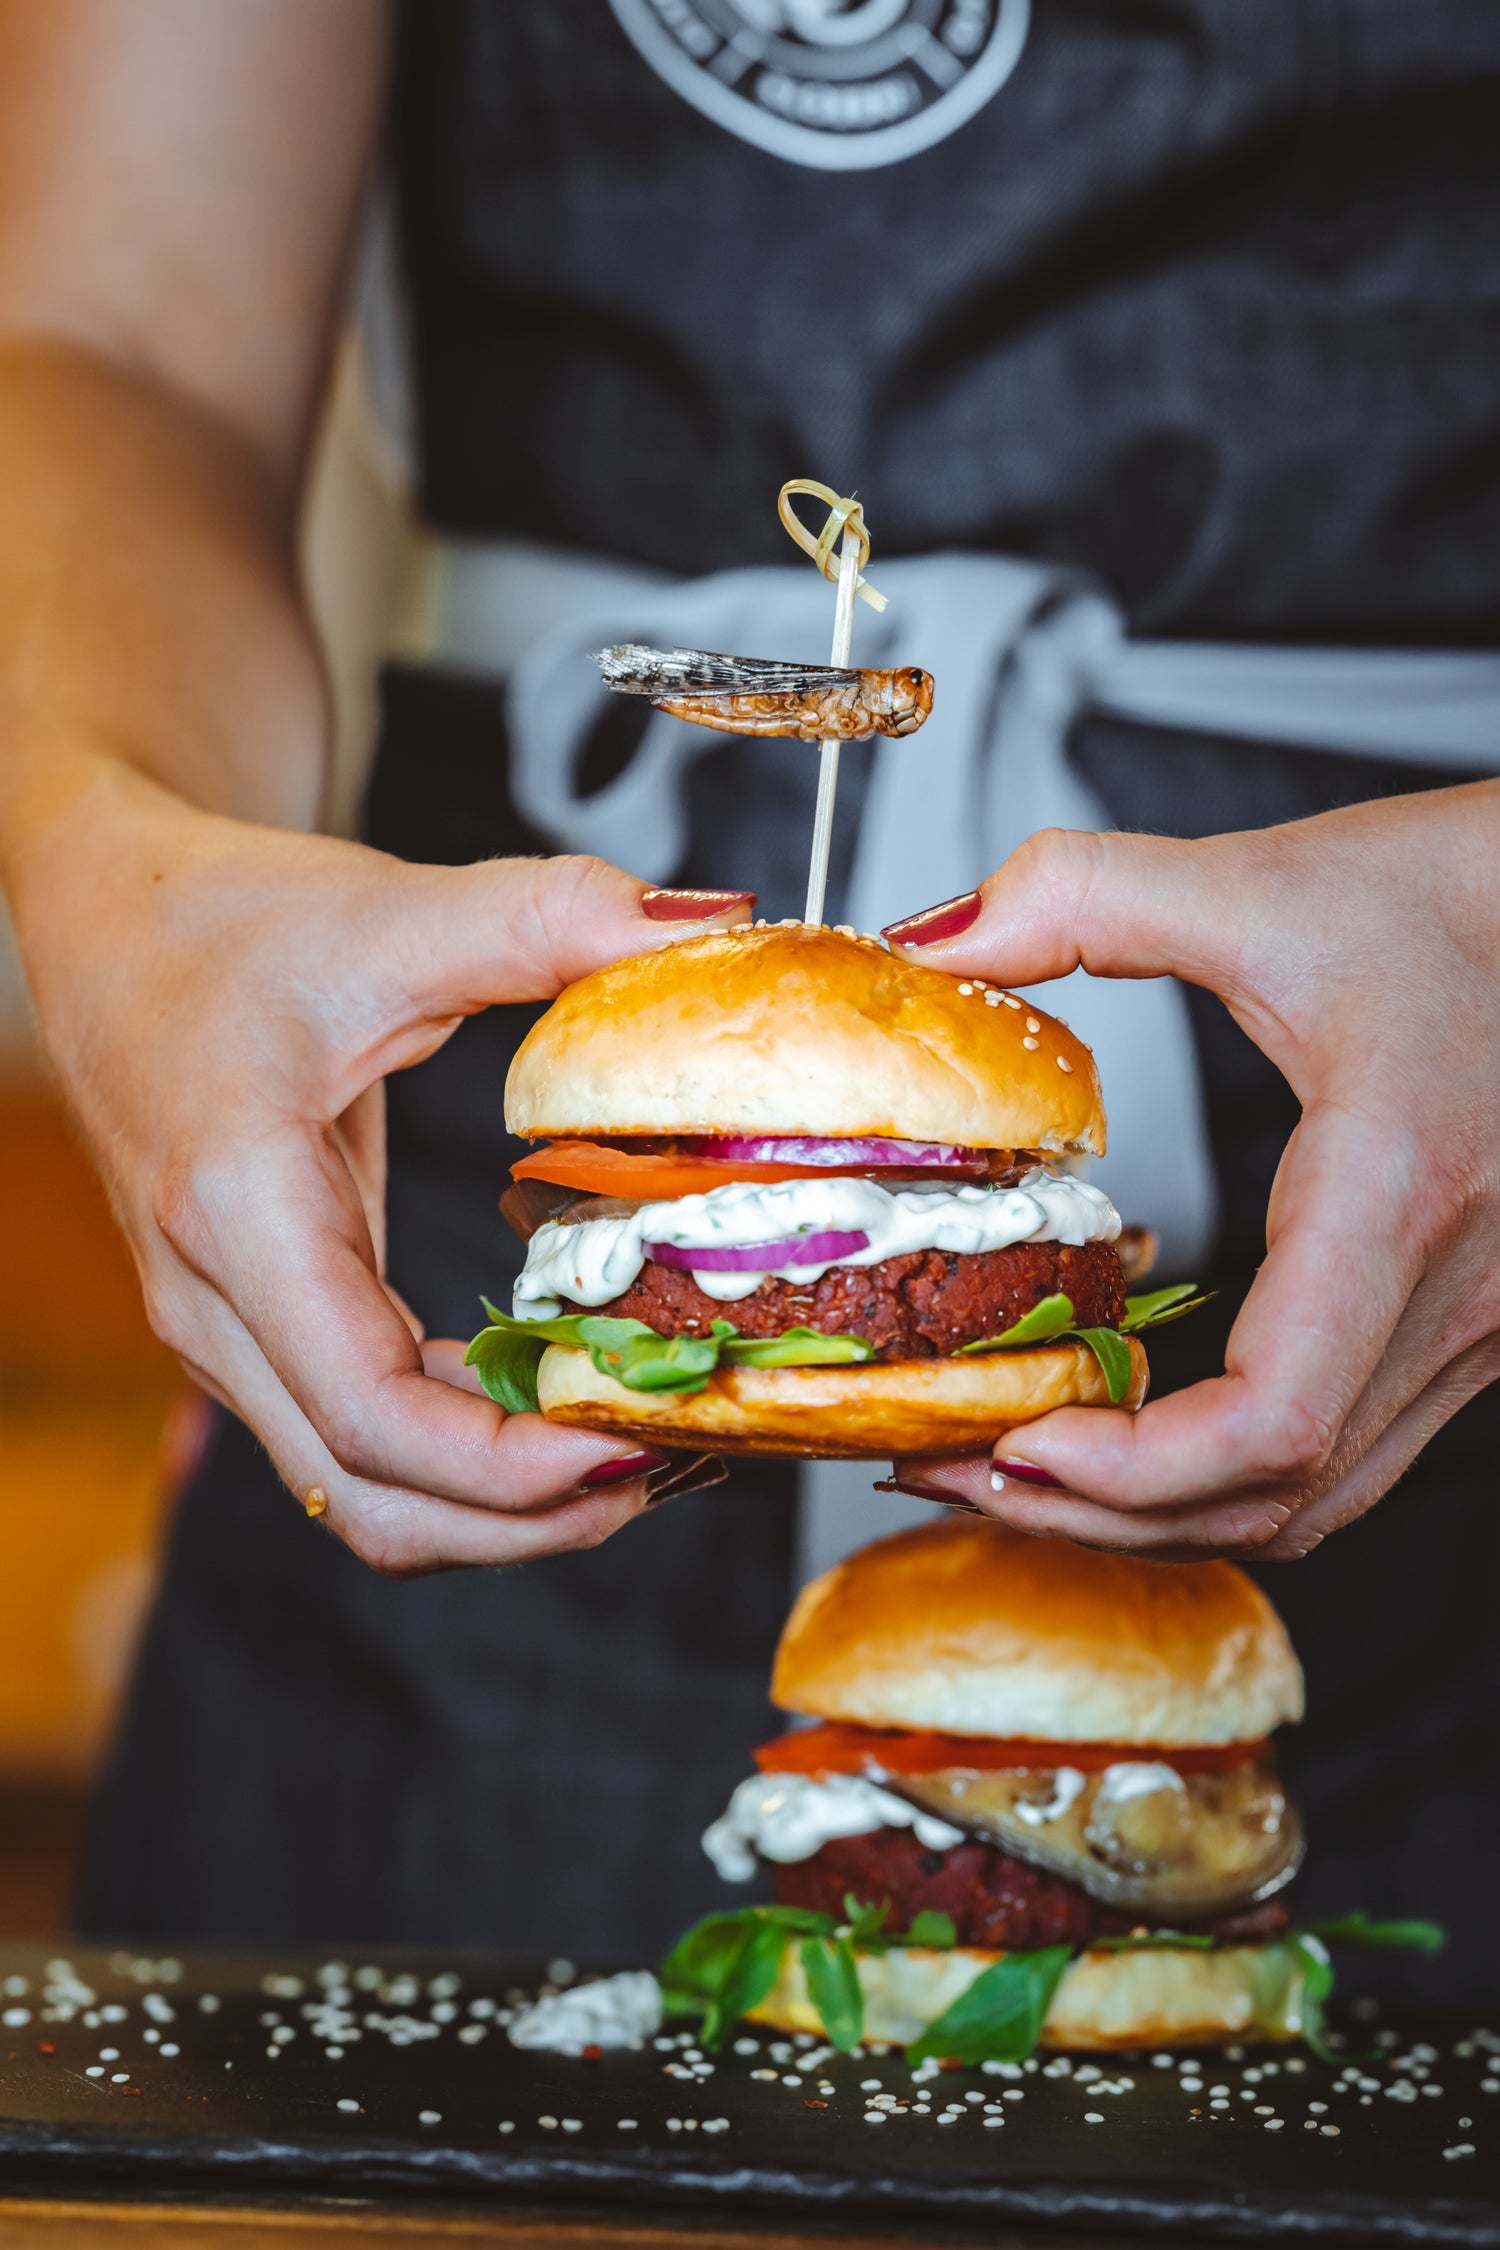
[828,754]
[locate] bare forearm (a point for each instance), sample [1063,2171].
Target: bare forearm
[148,603]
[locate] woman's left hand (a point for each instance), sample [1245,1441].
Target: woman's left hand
[1361,952]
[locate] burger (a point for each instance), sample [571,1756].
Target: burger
[795,1195]
[1039,1805]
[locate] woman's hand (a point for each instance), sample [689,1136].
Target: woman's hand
[221,1002]
[1361,952]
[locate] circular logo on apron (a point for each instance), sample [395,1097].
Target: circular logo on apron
[844,85]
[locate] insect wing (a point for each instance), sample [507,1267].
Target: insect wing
[669,674]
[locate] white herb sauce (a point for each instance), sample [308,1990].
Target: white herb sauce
[593,1261]
[621,2011]
[789,1816]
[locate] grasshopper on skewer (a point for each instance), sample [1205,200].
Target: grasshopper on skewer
[765,696]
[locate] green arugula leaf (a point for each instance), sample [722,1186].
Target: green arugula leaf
[1311,1941]
[798,1347]
[1000,2017]
[833,1987]
[506,1365]
[725,1964]
[1151,1938]
[1051,1318]
[1113,1354]
[506,1355]
[1362,1935]
[1317,1986]
[643,1361]
[930,1928]
[1159,1306]
[867,1924]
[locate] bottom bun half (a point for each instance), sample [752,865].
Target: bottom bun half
[869,1413]
[1159,1996]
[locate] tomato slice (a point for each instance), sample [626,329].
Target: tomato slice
[840,1748]
[648,1178]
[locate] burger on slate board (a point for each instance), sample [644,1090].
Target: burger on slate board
[1041,1807]
[798,1196]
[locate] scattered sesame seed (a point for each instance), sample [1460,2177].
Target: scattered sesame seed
[874,2116]
[95,2070]
[747,2046]
[109,2054]
[1028,1041]
[1318,2108]
[1220,2104]
[1264,2109]
[208,2003]
[1093,2117]
[871,2085]
[119,2078]
[622,2125]
[1330,2130]
[1309,2124]
[1064,1064]
[1460,2148]
[965,990]
[347,2104]
[13,2018]
[1274,2124]
[429,2117]
[1464,2123]
[1033,1023]
[997,2119]
[1010,1000]
[572,2124]
[548,2124]
[170,2049]
[771,2075]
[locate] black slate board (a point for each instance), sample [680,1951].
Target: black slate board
[236,2109]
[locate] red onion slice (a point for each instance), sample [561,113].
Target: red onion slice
[760,1257]
[870,1153]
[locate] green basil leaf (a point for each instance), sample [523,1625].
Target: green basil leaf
[932,1929]
[1051,1318]
[1362,1935]
[1000,2017]
[1317,1986]
[1113,1354]
[833,1987]
[506,1365]
[798,1347]
[1161,1305]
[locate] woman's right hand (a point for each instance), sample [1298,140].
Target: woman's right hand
[221,1003]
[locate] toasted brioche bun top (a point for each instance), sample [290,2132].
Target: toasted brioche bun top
[800,1030]
[969,1628]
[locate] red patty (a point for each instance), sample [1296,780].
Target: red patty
[993,1900]
[920,1306]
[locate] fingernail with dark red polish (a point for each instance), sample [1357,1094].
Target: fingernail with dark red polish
[1024,1472]
[624,1467]
[920,1492]
[935,923]
[675,1478]
[692,906]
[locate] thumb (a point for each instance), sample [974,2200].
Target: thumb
[1116,905]
[522,929]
